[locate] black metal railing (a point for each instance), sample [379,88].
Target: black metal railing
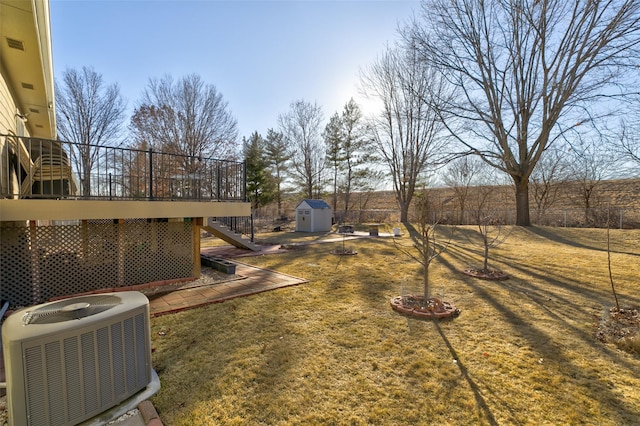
[241,225]
[43,168]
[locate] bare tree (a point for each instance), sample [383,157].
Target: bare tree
[526,71]
[630,143]
[427,245]
[483,201]
[301,127]
[187,117]
[90,114]
[488,220]
[425,240]
[407,133]
[626,138]
[591,164]
[547,179]
[460,175]
[613,285]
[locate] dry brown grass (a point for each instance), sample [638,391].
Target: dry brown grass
[333,352]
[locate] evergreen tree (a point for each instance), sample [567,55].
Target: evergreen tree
[260,184]
[358,177]
[277,155]
[333,140]
[347,155]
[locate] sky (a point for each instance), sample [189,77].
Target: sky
[260,55]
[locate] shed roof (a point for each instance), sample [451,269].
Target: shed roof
[315,204]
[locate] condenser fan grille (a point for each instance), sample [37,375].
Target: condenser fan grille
[70,309]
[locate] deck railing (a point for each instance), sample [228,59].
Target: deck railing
[43,168]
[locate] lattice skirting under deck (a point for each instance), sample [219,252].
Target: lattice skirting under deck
[40,262]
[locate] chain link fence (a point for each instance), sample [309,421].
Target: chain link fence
[621,218]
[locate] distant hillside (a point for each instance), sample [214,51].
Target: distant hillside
[571,196]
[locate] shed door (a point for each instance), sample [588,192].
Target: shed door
[303,221]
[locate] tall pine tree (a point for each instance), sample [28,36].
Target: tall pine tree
[348,156]
[277,155]
[260,183]
[333,140]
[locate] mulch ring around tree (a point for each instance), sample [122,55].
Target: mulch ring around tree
[345,252]
[418,306]
[621,327]
[486,274]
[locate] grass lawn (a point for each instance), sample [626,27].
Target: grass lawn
[333,352]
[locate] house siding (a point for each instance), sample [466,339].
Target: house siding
[8,111]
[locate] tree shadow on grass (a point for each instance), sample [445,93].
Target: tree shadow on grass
[480,401]
[539,272]
[213,361]
[549,234]
[549,300]
[545,344]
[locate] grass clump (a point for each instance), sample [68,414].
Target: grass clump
[332,351]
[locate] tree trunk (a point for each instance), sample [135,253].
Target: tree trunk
[278,194]
[404,213]
[425,282]
[279,199]
[85,153]
[347,195]
[485,267]
[335,191]
[522,203]
[426,262]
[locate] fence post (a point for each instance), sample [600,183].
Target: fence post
[621,218]
[218,179]
[150,173]
[244,183]
[252,232]
[110,193]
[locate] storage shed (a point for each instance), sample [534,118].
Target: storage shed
[313,216]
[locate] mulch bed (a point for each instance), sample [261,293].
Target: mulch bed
[489,274]
[344,252]
[418,306]
[621,328]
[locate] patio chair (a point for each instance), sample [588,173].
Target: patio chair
[54,175]
[51,170]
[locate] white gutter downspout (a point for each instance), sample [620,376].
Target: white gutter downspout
[42,20]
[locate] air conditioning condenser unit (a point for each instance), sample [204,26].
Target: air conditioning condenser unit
[70,360]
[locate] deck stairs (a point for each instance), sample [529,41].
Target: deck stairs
[225,233]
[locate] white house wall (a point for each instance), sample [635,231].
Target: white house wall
[8,108]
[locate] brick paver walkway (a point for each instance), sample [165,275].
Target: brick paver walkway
[253,280]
